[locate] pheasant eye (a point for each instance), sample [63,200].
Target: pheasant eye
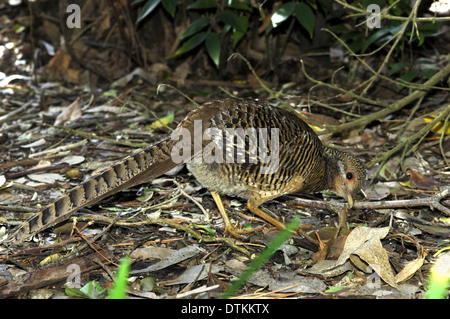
[349,176]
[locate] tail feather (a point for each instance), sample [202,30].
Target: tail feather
[140,167]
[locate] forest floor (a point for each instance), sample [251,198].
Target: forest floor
[59,128]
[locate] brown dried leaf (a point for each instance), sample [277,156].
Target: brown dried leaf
[59,64]
[421,182]
[72,112]
[363,247]
[368,139]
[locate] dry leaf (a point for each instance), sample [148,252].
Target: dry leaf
[410,269]
[438,128]
[368,139]
[59,64]
[363,247]
[195,273]
[37,143]
[72,112]
[172,259]
[421,182]
[320,118]
[48,178]
[377,191]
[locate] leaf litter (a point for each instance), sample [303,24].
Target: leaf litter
[387,249]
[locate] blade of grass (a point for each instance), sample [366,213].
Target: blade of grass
[439,278]
[119,290]
[263,257]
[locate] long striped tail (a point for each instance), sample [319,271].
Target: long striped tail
[135,169]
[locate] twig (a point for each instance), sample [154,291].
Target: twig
[363,12]
[159,221]
[95,136]
[441,140]
[250,67]
[398,36]
[207,215]
[434,202]
[58,149]
[6,117]
[388,109]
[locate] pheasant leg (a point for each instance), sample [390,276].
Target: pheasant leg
[258,212]
[228,226]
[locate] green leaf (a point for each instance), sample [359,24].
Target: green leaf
[192,43]
[170,6]
[333,290]
[211,232]
[439,279]
[431,28]
[282,14]
[237,35]
[305,16]
[110,93]
[429,73]
[149,6]
[397,67]
[238,23]
[195,27]
[92,290]
[408,77]
[163,121]
[379,34]
[74,292]
[203,4]
[212,43]
[236,4]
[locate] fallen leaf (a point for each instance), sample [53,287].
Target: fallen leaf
[152,253]
[286,281]
[410,269]
[438,128]
[37,143]
[59,64]
[72,159]
[163,121]
[421,182]
[363,247]
[48,178]
[377,191]
[320,118]
[195,273]
[72,112]
[175,258]
[368,139]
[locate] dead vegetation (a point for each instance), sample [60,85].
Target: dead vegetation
[72,108]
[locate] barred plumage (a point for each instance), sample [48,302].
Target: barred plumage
[287,157]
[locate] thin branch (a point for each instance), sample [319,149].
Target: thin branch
[391,17]
[405,142]
[388,109]
[432,202]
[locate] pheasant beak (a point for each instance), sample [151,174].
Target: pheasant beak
[350,200]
